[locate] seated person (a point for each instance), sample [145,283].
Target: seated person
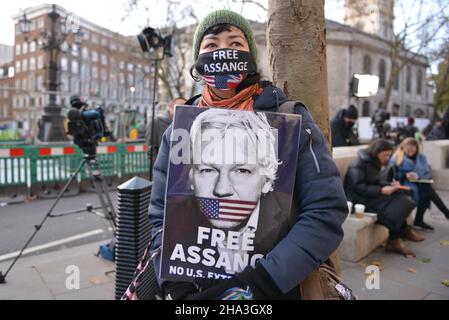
[409,164]
[364,184]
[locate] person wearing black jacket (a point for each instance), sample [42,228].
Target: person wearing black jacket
[341,126]
[368,184]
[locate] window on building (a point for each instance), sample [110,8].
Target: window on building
[104,59]
[40,82]
[24,84]
[75,50]
[85,70]
[396,110]
[94,38]
[64,64]
[104,42]
[366,109]
[419,82]
[95,72]
[113,45]
[18,29]
[122,78]
[85,53]
[104,74]
[94,56]
[18,49]
[32,46]
[32,83]
[366,64]
[74,66]
[408,79]
[32,63]
[74,85]
[130,79]
[85,88]
[64,82]
[17,104]
[122,65]
[5,110]
[40,62]
[17,68]
[17,84]
[33,25]
[40,22]
[86,34]
[25,48]
[130,67]
[25,65]
[382,73]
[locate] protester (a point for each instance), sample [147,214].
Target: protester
[437,132]
[317,231]
[342,127]
[410,129]
[366,184]
[410,165]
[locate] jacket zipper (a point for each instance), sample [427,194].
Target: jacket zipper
[309,132]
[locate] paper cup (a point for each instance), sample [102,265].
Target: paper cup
[359,210]
[349,207]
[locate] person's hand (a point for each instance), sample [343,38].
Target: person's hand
[412,176]
[389,190]
[395,184]
[255,282]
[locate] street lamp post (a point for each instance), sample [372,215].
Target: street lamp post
[51,128]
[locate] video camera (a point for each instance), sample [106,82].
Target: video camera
[378,119]
[87,126]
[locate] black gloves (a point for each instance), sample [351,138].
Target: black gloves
[257,279]
[178,290]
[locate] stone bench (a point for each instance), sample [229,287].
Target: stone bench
[437,153]
[362,236]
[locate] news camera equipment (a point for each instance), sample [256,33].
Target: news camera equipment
[378,120]
[150,40]
[87,128]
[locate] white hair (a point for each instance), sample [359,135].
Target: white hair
[256,126]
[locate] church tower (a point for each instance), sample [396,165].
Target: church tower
[372,16]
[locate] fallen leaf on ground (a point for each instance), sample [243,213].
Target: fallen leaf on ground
[412,270]
[95,281]
[425,260]
[445,282]
[444,242]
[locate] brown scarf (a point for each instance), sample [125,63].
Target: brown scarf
[241,101]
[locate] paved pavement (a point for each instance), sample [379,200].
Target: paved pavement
[17,223]
[52,276]
[407,279]
[46,275]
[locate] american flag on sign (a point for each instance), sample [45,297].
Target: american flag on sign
[223,82]
[225,209]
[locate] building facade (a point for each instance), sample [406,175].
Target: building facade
[105,67]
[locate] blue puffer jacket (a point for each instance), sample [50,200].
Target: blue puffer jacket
[420,166]
[319,192]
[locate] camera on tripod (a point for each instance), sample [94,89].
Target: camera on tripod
[87,126]
[379,118]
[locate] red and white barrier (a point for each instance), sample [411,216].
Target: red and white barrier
[56,151]
[12,152]
[106,149]
[136,148]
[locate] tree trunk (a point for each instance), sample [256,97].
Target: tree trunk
[296,39]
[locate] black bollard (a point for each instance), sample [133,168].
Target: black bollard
[133,235]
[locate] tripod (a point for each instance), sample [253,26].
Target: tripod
[100,189]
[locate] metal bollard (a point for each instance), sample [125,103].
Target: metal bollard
[133,235]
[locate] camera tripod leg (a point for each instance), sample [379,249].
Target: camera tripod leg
[102,192]
[39,226]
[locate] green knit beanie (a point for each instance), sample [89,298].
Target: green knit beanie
[224,16]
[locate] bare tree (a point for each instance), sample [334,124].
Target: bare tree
[296,40]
